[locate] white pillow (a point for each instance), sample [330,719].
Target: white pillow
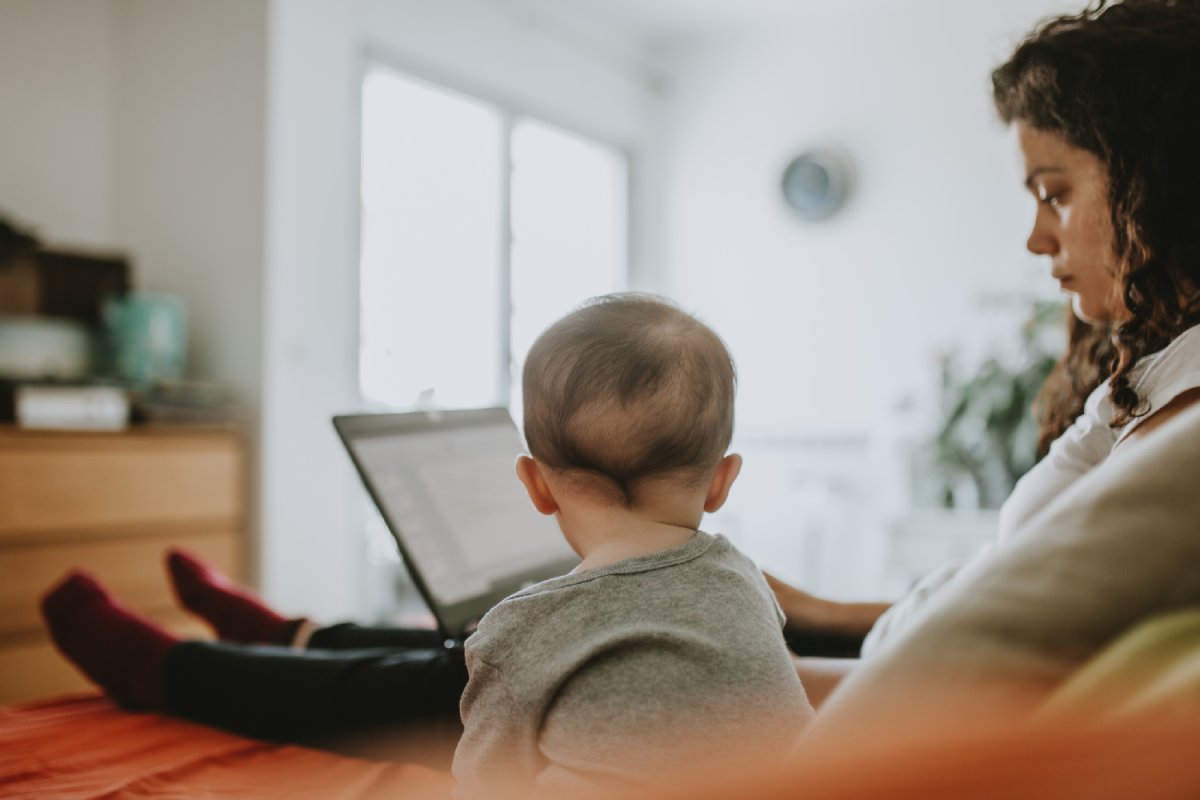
[1120,545]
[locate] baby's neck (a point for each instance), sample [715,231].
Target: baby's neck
[603,536]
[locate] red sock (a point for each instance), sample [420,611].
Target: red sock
[119,650]
[234,613]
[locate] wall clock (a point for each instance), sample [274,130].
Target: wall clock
[815,184]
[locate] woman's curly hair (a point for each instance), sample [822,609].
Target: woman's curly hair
[1122,80]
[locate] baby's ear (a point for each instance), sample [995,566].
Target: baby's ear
[722,482]
[529,472]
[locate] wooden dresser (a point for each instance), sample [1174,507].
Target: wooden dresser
[111,503]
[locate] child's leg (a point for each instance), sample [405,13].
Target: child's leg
[348,636]
[119,650]
[263,691]
[237,615]
[284,695]
[234,613]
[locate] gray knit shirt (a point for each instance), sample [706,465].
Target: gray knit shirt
[628,674]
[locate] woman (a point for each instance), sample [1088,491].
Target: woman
[1105,107]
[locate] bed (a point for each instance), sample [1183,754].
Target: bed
[1140,698]
[83,746]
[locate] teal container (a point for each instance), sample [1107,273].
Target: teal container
[147,337]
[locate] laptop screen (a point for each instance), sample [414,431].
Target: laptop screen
[445,484]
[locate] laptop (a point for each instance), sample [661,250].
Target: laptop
[446,486]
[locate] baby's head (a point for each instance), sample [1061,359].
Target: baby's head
[629,393]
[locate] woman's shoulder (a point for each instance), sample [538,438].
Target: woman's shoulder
[1157,378]
[1183,349]
[1163,376]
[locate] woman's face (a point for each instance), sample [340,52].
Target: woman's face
[1072,225]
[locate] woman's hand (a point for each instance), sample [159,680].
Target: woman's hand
[804,611]
[809,615]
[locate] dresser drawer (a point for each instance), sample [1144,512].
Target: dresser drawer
[111,504]
[103,485]
[132,568]
[31,668]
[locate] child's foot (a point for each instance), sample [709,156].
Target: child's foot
[119,650]
[234,613]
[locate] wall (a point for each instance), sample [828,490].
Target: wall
[837,326]
[857,304]
[189,199]
[139,125]
[313,551]
[190,152]
[56,139]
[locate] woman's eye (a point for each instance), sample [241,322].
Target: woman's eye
[1052,199]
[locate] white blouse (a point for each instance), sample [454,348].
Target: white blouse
[1157,378]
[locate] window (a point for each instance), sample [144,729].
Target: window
[480,226]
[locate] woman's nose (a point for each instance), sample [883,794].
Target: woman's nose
[1041,242]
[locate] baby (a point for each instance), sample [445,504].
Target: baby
[662,651]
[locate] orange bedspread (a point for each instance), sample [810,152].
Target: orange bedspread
[86,747]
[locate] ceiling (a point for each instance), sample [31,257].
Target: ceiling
[651,21]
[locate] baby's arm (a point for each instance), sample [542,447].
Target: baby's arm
[497,754]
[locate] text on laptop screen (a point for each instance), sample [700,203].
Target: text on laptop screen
[467,521]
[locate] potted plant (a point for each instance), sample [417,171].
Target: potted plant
[987,433]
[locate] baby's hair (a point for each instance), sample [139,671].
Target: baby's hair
[627,388]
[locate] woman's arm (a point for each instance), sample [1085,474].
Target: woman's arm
[818,626]
[820,676]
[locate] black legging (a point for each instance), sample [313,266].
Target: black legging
[349,678]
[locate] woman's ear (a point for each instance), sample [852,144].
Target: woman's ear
[529,472]
[722,482]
